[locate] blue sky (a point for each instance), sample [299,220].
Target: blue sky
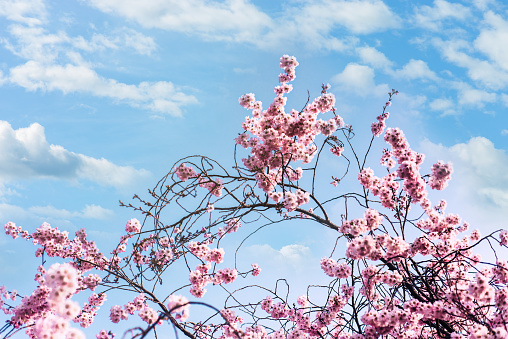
[99,98]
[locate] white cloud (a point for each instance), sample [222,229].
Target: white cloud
[241,21]
[483,4]
[55,63]
[160,97]
[359,17]
[30,12]
[373,57]
[416,69]
[504,132]
[488,74]
[26,154]
[35,43]
[444,105]
[121,38]
[359,79]
[52,214]
[479,185]
[492,40]
[475,97]
[234,20]
[89,212]
[433,17]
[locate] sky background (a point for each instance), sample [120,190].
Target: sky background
[99,98]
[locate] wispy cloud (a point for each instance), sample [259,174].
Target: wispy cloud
[160,97]
[241,21]
[433,17]
[371,56]
[26,154]
[359,79]
[56,61]
[416,69]
[30,12]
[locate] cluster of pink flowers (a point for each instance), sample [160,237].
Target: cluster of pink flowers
[441,174]
[145,312]
[370,221]
[232,226]
[203,252]
[333,269]
[201,277]
[214,187]
[179,305]
[378,127]
[256,270]
[61,282]
[293,200]
[89,311]
[279,138]
[184,172]
[133,226]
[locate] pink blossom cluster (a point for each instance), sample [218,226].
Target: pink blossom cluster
[306,326]
[145,312]
[214,187]
[293,200]
[89,310]
[503,237]
[55,243]
[201,276]
[337,150]
[370,221]
[409,171]
[378,127]
[133,226]
[333,269]
[279,138]
[256,270]
[179,305]
[441,175]
[386,188]
[61,282]
[233,225]
[103,334]
[184,172]
[203,252]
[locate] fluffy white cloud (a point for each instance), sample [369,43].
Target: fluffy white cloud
[474,97]
[444,105]
[89,212]
[479,186]
[235,20]
[122,38]
[416,69]
[160,97]
[432,17]
[373,57]
[486,73]
[26,154]
[358,16]
[30,12]
[492,40]
[55,63]
[239,20]
[359,79]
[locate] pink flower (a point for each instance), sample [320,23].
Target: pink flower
[179,305]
